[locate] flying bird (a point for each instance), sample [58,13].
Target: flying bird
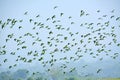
[55,7]
[26,13]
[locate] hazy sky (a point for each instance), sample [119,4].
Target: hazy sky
[17,8]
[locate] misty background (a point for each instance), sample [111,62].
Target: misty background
[15,9]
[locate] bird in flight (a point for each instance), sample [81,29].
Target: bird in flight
[26,13]
[55,7]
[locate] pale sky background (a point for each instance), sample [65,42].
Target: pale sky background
[17,8]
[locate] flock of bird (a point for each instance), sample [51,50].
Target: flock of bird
[51,42]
